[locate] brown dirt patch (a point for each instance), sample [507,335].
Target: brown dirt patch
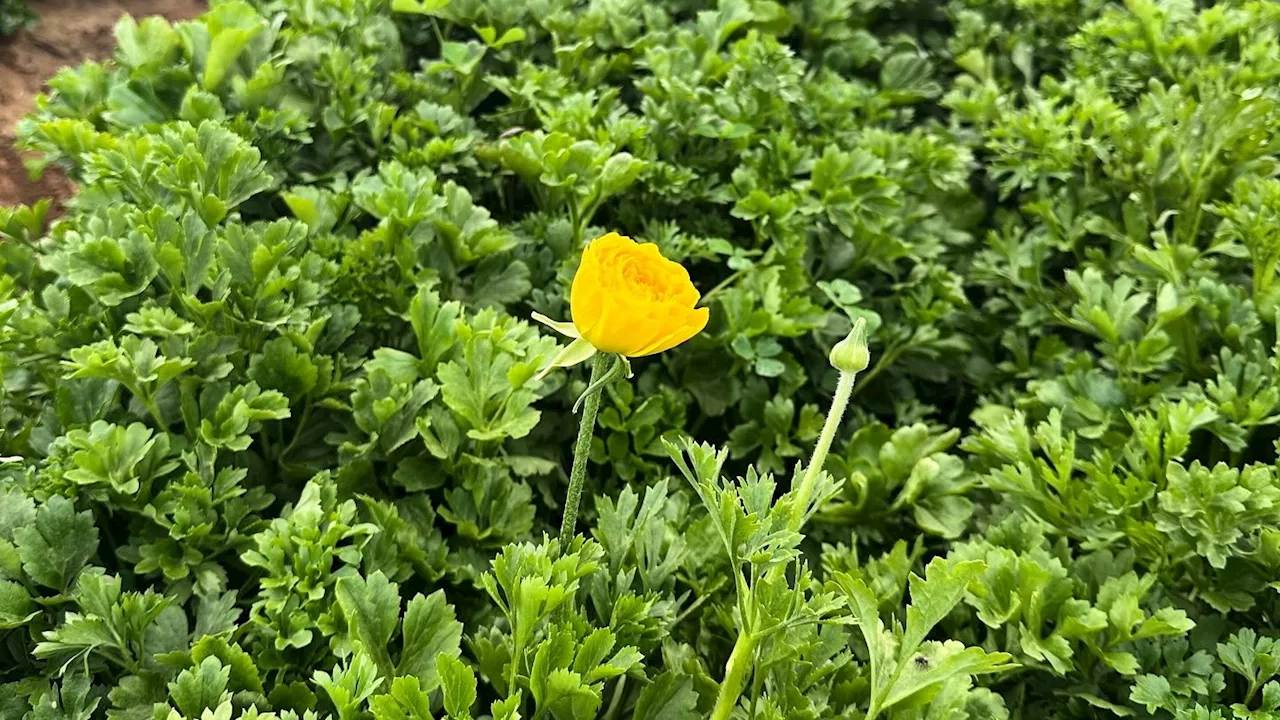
[17,187]
[70,32]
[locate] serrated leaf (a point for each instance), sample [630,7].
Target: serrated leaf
[16,605]
[405,701]
[950,659]
[458,684]
[202,687]
[372,607]
[430,630]
[933,597]
[242,672]
[669,697]
[57,544]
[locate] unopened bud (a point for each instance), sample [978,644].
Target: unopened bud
[850,355]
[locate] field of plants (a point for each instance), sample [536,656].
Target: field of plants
[950,385]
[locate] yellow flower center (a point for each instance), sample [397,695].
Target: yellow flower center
[641,279]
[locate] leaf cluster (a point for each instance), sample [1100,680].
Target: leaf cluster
[274,444]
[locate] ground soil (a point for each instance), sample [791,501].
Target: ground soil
[70,32]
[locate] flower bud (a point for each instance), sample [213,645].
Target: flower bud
[850,355]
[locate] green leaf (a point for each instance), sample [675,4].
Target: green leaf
[151,42]
[283,367]
[1254,657]
[508,709]
[909,78]
[204,686]
[349,687]
[72,701]
[458,684]
[405,701]
[881,644]
[239,413]
[933,597]
[57,545]
[434,325]
[231,27]
[419,7]
[1152,691]
[430,630]
[16,605]
[669,697]
[242,672]
[512,35]
[618,173]
[372,608]
[940,663]
[499,283]
[16,510]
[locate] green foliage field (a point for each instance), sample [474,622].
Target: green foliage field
[272,446]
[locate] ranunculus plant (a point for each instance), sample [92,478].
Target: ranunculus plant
[627,301]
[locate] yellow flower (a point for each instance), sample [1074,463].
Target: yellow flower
[628,299]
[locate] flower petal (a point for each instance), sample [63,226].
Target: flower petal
[692,325]
[628,299]
[586,295]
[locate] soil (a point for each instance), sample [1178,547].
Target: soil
[70,32]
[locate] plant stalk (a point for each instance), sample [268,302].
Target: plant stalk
[736,673]
[844,390]
[582,449]
[616,703]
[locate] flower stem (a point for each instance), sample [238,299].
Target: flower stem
[616,703]
[587,424]
[149,402]
[736,673]
[844,390]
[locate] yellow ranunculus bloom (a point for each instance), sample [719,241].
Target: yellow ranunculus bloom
[628,299]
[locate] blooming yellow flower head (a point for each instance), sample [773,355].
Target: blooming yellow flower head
[628,299]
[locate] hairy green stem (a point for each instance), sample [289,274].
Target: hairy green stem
[844,390]
[586,426]
[736,673]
